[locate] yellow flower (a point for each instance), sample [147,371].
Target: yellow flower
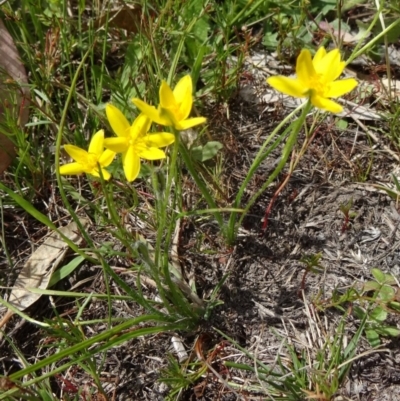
[174,107]
[316,79]
[134,142]
[89,161]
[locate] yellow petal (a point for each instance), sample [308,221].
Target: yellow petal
[190,122]
[326,104]
[78,154]
[159,140]
[106,157]
[171,116]
[338,70]
[185,107]
[304,67]
[288,86]
[183,96]
[106,174]
[117,120]
[140,126]
[339,88]
[330,66]
[94,172]
[167,98]
[71,169]
[319,55]
[96,144]
[131,164]
[183,88]
[322,59]
[152,154]
[118,145]
[150,111]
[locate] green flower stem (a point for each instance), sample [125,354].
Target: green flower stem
[164,235]
[357,52]
[203,188]
[67,106]
[164,204]
[295,128]
[59,181]
[287,150]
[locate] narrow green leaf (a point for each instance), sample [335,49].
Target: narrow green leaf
[359,312]
[27,206]
[66,270]
[197,65]
[396,182]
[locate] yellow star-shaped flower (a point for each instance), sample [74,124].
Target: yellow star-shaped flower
[316,79]
[174,107]
[89,161]
[134,141]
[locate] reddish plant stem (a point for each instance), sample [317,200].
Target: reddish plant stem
[273,199]
[345,225]
[293,164]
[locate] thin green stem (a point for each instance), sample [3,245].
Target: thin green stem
[376,38]
[262,154]
[172,297]
[3,238]
[287,150]
[203,188]
[58,148]
[249,8]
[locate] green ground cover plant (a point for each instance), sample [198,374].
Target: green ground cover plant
[123,98]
